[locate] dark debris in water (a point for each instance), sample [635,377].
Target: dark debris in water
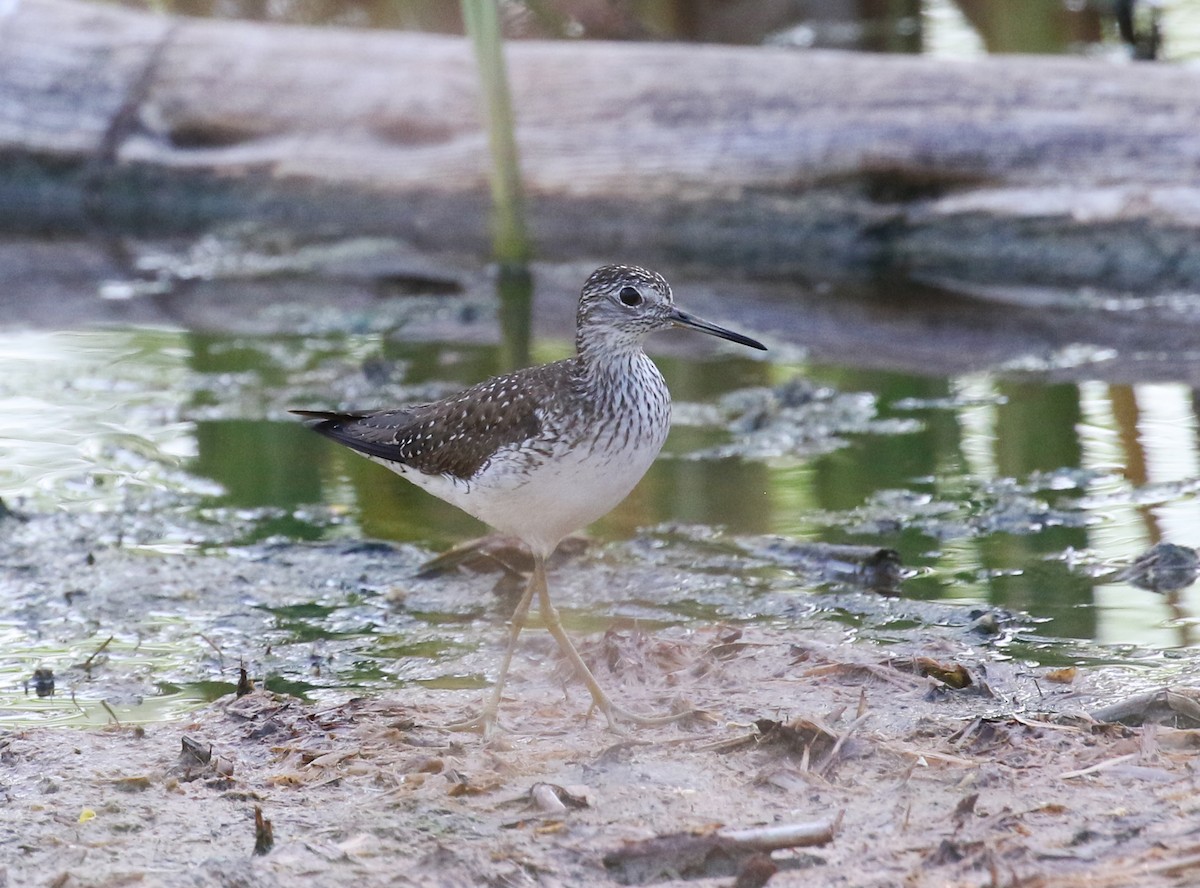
[979,509]
[798,419]
[872,568]
[1164,568]
[42,682]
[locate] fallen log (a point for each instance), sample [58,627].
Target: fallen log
[772,161]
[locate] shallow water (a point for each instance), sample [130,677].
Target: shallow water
[997,490]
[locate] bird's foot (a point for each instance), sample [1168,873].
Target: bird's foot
[486,724]
[615,714]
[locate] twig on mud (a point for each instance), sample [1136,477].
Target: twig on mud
[264,834]
[714,853]
[788,835]
[1173,867]
[831,756]
[1045,725]
[930,754]
[966,733]
[614,752]
[729,744]
[554,799]
[1136,872]
[110,712]
[212,644]
[86,665]
[885,673]
[1110,763]
[807,737]
[244,683]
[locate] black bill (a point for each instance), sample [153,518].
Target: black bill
[683,319]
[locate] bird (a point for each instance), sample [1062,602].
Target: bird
[542,452]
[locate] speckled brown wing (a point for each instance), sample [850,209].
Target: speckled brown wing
[455,436]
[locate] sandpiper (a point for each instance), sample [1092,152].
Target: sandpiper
[544,451]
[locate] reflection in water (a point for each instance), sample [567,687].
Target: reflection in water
[1000,490]
[1125,416]
[514,292]
[1166,435]
[255,462]
[1036,432]
[86,416]
[1035,428]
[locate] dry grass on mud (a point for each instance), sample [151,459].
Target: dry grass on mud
[918,783]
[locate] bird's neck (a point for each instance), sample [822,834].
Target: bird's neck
[612,359]
[603,349]
[621,375]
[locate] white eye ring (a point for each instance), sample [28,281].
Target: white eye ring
[630,296]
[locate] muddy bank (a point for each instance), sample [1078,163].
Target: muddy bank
[760,160]
[931,755]
[921,789]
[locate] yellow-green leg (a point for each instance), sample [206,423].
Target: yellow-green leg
[485,722]
[612,712]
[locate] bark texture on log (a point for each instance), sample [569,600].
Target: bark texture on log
[769,160]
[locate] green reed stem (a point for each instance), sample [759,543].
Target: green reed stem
[510,238]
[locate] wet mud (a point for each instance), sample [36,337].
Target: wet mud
[902,729]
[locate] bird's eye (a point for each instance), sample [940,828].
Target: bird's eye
[630,296]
